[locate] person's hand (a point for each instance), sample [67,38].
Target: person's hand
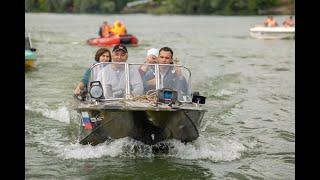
[148,60]
[144,67]
[152,82]
[176,61]
[77,91]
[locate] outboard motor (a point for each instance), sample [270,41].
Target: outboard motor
[125,39]
[196,98]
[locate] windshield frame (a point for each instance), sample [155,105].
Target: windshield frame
[127,66]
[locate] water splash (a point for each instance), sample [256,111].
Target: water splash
[215,150]
[208,149]
[224,92]
[78,151]
[227,150]
[61,114]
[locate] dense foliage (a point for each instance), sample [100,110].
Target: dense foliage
[155,6]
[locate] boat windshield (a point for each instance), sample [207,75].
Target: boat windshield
[126,80]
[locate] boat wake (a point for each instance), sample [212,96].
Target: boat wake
[216,150]
[61,114]
[212,149]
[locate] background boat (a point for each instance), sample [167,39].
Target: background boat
[30,55]
[127,39]
[262,32]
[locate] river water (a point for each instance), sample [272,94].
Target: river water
[247,133]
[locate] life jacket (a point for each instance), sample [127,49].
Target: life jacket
[118,28]
[105,30]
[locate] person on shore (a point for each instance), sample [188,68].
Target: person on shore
[270,22]
[113,76]
[102,55]
[289,22]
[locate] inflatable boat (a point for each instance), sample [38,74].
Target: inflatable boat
[128,39]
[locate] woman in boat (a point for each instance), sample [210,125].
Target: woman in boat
[152,58]
[102,55]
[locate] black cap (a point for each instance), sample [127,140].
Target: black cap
[120,47]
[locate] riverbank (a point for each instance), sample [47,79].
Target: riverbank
[282,7]
[163,7]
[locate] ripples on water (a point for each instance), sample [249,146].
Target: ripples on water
[248,132]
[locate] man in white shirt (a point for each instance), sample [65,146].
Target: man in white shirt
[113,78]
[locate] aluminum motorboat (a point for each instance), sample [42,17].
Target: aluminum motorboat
[118,104]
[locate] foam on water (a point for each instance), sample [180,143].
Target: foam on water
[61,114]
[124,147]
[203,148]
[208,148]
[78,151]
[224,92]
[54,142]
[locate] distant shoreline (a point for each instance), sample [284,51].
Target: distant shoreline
[166,7]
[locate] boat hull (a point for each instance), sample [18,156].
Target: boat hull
[29,64]
[149,127]
[30,59]
[273,32]
[114,40]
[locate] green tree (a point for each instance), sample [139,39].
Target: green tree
[263,4]
[107,6]
[119,5]
[252,6]
[89,6]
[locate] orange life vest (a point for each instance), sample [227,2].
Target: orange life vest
[105,30]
